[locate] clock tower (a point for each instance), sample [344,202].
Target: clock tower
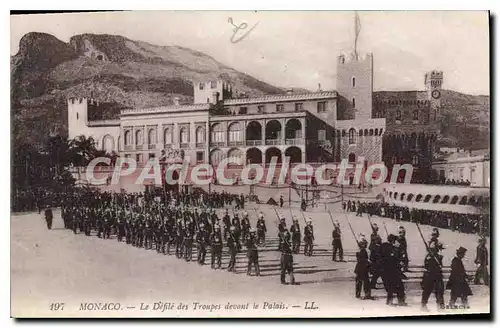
[433,84]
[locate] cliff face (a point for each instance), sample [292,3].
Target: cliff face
[125,73]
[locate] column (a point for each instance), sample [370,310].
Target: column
[263,123]
[175,139]
[207,141]
[283,129]
[303,127]
[303,153]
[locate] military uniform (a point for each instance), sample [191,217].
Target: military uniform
[482,262]
[392,275]
[295,231]
[48,217]
[261,229]
[362,270]
[232,245]
[252,253]
[308,238]
[337,243]
[286,261]
[457,283]
[216,248]
[433,276]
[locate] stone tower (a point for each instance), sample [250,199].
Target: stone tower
[433,85]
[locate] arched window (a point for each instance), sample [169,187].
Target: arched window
[235,133]
[360,133]
[414,160]
[419,197]
[343,133]
[353,102]
[445,199]
[390,194]
[371,132]
[128,138]
[454,200]
[427,198]
[410,197]
[183,135]
[167,136]
[395,195]
[436,199]
[217,133]
[138,137]
[353,82]
[402,196]
[152,137]
[200,134]
[398,115]
[352,136]
[463,200]
[352,158]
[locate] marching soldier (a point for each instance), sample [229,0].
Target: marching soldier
[281,230]
[48,217]
[377,266]
[286,261]
[403,248]
[232,244]
[227,223]
[281,201]
[337,243]
[308,238]
[433,276]
[252,253]
[374,234]
[261,229]
[482,262]
[362,270]
[216,247]
[295,231]
[201,241]
[237,230]
[245,227]
[392,272]
[458,281]
[188,244]
[179,240]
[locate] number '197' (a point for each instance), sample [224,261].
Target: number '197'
[56,306]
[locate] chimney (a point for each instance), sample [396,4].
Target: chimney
[289,91]
[176,101]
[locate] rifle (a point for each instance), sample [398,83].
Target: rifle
[387,232]
[352,230]
[427,246]
[331,218]
[303,216]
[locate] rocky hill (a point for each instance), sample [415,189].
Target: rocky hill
[125,73]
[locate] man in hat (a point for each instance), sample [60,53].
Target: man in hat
[226,220]
[403,248]
[376,266]
[374,234]
[392,275]
[458,281]
[286,261]
[308,238]
[216,247]
[232,245]
[362,270]
[281,201]
[237,230]
[252,253]
[281,230]
[433,276]
[295,231]
[188,243]
[337,242]
[482,262]
[261,229]
[245,227]
[48,217]
[201,242]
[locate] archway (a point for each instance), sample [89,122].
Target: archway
[273,152]
[216,156]
[293,129]
[234,133]
[108,143]
[254,156]
[295,154]
[254,131]
[352,158]
[273,130]
[235,152]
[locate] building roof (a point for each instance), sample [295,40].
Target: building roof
[282,98]
[165,109]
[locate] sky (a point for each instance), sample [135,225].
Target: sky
[299,48]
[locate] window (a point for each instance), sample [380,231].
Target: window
[138,137]
[217,134]
[261,109]
[199,156]
[419,197]
[353,102]
[77,116]
[454,200]
[299,107]
[235,133]
[138,158]
[461,173]
[415,115]
[463,200]
[445,199]
[321,134]
[128,138]
[167,136]
[436,199]
[352,136]
[243,110]
[280,108]
[151,155]
[184,135]
[414,160]
[398,115]
[127,155]
[410,197]
[360,133]
[321,107]
[202,86]
[353,82]
[371,132]
[213,84]
[152,137]
[200,135]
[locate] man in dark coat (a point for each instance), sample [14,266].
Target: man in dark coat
[433,276]
[337,243]
[308,238]
[48,217]
[457,282]
[286,261]
[295,231]
[392,275]
[362,270]
[252,253]
[482,262]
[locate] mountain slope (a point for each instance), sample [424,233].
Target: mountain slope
[125,73]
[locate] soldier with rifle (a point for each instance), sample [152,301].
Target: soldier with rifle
[432,280]
[232,245]
[362,270]
[308,238]
[216,247]
[286,261]
[295,231]
[252,253]
[337,242]
[202,241]
[261,229]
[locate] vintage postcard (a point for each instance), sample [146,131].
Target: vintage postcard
[250,164]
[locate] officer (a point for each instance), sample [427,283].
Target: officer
[261,229]
[48,217]
[433,276]
[201,241]
[232,244]
[216,247]
[362,270]
[403,248]
[458,281]
[295,231]
[286,261]
[308,238]
[482,262]
[252,253]
[337,242]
